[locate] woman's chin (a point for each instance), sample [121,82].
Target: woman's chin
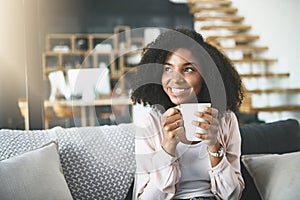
[177,101]
[181,100]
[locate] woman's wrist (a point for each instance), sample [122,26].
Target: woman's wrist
[169,151]
[214,148]
[216,152]
[169,148]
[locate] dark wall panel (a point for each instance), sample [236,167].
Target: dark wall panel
[101,16]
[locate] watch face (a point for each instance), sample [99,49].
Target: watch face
[221,152]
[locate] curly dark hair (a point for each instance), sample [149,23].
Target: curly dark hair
[216,70]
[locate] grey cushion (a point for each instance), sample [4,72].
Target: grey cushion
[36,174]
[276,176]
[98,162]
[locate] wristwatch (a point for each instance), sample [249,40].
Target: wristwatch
[218,154]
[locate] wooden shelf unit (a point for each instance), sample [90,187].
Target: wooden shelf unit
[69,51]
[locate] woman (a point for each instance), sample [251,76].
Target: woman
[180,67]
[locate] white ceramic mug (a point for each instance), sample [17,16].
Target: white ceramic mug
[188,115]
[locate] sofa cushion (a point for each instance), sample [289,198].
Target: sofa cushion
[98,162]
[276,176]
[35,174]
[277,137]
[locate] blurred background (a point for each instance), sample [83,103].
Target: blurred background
[40,37]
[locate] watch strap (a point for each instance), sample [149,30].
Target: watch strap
[218,154]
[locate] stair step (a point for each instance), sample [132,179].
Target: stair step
[232,27]
[264,75]
[275,109]
[197,9]
[240,38]
[254,60]
[245,48]
[232,18]
[214,2]
[278,90]
[242,48]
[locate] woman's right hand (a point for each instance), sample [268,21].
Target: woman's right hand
[172,130]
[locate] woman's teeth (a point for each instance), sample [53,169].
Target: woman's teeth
[175,90]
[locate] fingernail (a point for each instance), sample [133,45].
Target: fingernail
[199,114]
[194,122]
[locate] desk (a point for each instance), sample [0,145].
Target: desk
[23,106]
[87,107]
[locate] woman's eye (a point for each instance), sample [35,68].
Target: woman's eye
[167,69]
[189,69]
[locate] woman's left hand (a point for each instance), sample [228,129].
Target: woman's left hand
[211,125]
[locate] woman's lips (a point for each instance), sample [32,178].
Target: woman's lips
[178,91]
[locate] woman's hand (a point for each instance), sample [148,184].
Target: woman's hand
[211,125]
[172,130]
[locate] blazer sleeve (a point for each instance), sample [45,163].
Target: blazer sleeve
[157,172]
[226,178]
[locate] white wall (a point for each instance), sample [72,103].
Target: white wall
[277,24]
[12,59]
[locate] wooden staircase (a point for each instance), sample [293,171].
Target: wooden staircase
[197,9]
[221,26]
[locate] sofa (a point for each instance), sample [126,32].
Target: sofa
[269,166]
[98,162]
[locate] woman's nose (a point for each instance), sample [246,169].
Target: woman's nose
[177,77]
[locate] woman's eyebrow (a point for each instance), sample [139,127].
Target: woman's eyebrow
[190,63]
[166,63]
[187,63]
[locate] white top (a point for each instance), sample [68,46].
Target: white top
[158,174]
[194,163]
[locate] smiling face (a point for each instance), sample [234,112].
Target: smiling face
[181,79]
